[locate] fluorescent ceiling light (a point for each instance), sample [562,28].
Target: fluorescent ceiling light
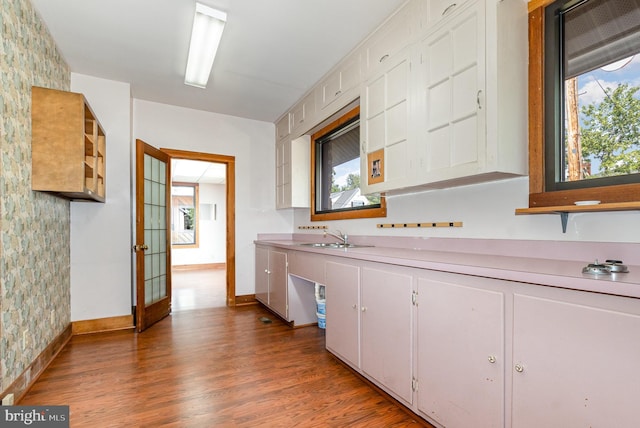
[208,24]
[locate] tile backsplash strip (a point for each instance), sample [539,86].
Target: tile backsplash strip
[34,267]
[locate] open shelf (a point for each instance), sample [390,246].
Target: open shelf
[68,146]
[565,210]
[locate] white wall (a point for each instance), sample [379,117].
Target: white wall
[250,142]
[101,233]
[488,211]
[212,234]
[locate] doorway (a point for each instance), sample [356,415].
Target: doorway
[198,235]
[203,229]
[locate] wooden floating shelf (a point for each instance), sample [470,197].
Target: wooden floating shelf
[565,210]
[615,206]
[427,224]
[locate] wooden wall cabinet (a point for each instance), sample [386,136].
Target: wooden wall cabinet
[68,146]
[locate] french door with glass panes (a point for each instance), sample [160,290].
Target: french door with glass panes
[153,256]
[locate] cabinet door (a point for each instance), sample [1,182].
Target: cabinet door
[387,314]
[385,123]
[278,282]
[342,306]
[302,114]
[575,365]
[452,140]
[460,354]
[283,127]
[392,37]
[282,178]
[262,275]
[346,77]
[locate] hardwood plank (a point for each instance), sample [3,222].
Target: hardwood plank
[212,367]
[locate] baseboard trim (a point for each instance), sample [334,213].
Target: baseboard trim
[27,378]
[100,325]
[200,267]
[247,299]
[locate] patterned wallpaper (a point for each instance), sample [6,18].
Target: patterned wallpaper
[34,227]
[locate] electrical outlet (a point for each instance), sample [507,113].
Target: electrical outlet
[25,339]
[53,317]
[7,400]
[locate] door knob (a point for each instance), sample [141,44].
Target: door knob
[140,247]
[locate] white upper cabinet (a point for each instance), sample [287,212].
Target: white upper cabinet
[392,37]
[338,84]
[385,112]
[443,96]
[451,142]
[283,127]
[465,119]
[292,172]
[435,11]
[302,114]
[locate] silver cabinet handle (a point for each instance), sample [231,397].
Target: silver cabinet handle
[492,359]
[364,309]
[353,306]
[338,93]
[519,368]
[478,99]
[451,6]
[383,57]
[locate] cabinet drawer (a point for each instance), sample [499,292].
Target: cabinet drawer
[393,36]
[307,266]
[439,10]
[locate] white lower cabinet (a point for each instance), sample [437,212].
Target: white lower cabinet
[342,292]
[386,341]
[465,351]
[271,279]
[575,360]
[369,323]
[460,351]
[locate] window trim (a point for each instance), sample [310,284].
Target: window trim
[196,196]
[538,195]
[345,214]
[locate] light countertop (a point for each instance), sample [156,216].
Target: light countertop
[532,269]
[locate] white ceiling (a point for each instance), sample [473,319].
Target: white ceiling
[190,171]
[271,53]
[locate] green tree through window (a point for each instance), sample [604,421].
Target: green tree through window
[610,132]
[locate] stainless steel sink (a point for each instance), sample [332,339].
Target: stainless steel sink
[332,245]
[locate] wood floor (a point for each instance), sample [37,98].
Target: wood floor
[215,367]
[198,289]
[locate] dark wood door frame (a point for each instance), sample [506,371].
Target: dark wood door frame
[229,162]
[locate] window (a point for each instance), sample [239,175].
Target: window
[335,178]
[184,215]
[585,91]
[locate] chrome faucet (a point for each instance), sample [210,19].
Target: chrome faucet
[343,237]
